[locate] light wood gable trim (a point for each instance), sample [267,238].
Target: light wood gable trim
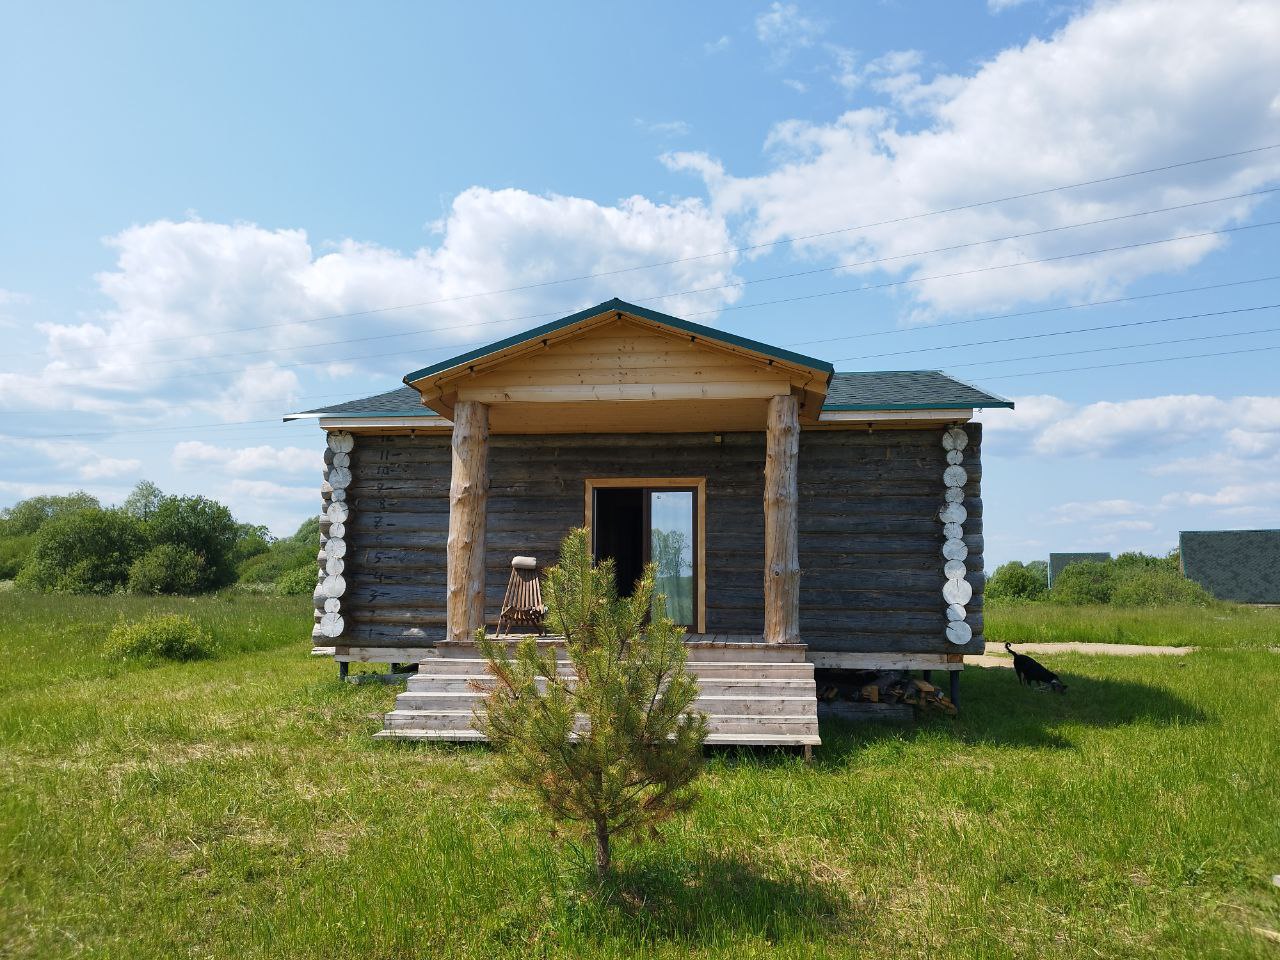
[699,484]
[441,390]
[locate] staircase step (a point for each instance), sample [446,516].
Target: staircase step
[698,668]
[712,706]
[441,720]
[707,686]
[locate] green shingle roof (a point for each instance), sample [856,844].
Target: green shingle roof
[401,402]
[905,390]
[866,390]
[869,390]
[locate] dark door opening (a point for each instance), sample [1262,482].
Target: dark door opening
[635,525]
[618,518]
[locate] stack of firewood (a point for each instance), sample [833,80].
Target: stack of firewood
[894,686]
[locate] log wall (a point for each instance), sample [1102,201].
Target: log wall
[870,540]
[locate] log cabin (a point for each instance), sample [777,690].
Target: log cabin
[800,517]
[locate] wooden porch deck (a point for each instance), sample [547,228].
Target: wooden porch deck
[753,693]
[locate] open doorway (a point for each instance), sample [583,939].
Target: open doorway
[635,525]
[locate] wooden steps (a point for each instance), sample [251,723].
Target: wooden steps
[756,694]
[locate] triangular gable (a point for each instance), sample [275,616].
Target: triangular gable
[620,352]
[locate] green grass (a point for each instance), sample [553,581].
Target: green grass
[1217,626]
[238,807]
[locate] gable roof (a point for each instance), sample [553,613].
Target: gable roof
[862,390]
[684,326]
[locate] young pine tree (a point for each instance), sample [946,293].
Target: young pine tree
[625,697]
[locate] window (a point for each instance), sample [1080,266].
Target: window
[638,520]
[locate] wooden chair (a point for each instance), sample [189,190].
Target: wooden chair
[522,605]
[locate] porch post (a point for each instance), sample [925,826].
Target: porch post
[468,490]
[781,542]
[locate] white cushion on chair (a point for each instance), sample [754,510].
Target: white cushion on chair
[524,563]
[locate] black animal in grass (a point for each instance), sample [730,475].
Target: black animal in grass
[1031,671]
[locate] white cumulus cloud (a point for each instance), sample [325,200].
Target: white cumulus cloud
[1123,86]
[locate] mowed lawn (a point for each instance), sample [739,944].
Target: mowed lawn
[239,808]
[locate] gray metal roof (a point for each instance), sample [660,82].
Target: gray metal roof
[1239,565]
[870,390]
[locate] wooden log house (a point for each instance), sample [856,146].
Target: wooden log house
[799,516]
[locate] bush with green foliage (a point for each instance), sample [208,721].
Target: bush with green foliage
[1017,582]
[1087,581]
[300,580]
[1130,580]
[284,558]
[90,551]
[203,526]
[1156,586]
[167,568]
[20,523]
[169,636]
[612,750]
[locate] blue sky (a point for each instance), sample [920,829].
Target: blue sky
[185,192]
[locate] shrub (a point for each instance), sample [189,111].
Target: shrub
[1153,586]
[13,554]
[167,636]
[1089,581]
[89,551]
[168,568]
[202,525]
[633,763]
[1014,581]
[283,557]
[26,517]
[298,581]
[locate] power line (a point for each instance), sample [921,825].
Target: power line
[1133,363]
[868,287]
[1031,313]
[1125,346]
[736,250]
[1063,333]
[956,246]
[784,276]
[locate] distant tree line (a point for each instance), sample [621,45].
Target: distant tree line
[1128,580]
[151,543]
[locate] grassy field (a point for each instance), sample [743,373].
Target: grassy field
[237,807]
[1218,626]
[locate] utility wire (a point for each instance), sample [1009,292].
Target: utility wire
[1133,363]
[783,276]
[1063,333]
[868,287]
[1124,346]
[865,288]
[1031,313]
[737,250]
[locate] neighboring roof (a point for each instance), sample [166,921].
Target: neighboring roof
[1239,565]
[1060,561]
[905,390]
[686,326]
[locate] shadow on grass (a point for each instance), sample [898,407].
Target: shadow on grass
[716,900]
[996,709]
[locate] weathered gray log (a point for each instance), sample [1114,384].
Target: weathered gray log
[331,625]
[340,441]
